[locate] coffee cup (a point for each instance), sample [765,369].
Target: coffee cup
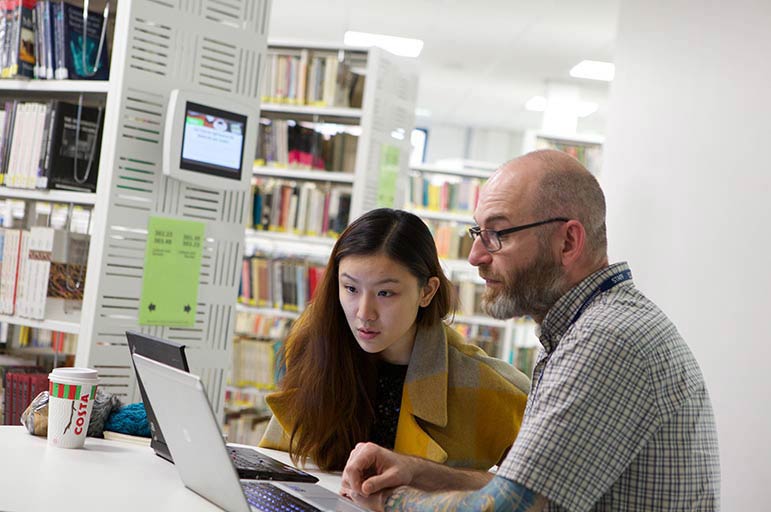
[71,398]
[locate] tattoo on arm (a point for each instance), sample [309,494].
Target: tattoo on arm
[498,495]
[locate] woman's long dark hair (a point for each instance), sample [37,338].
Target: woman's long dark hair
[330,381]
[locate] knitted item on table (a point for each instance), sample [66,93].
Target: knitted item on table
[104,405]
[130,419]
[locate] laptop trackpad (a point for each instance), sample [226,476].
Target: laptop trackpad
[319,496]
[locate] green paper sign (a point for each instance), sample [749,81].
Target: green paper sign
[172,272]
[389,173]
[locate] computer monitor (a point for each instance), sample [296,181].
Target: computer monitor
[209,140]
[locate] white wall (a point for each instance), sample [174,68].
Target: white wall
[687,176]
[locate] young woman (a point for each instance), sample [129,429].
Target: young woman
[371,359]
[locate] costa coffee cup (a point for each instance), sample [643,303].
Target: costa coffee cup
[71,398]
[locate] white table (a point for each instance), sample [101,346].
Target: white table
[104,476]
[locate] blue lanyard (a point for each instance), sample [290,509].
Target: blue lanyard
[607,284]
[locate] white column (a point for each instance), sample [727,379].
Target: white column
[687,176]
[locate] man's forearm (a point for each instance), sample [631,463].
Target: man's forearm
[430,476]
[498,495]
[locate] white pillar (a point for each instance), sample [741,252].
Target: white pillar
[686,174]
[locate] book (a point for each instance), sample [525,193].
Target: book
[73,147]
[80,60]
[19,39]
[126,438]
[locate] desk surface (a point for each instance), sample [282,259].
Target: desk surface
[105,475]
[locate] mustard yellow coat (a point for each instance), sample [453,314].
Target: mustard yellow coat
[460,407]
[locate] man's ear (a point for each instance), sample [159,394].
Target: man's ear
[428,291]
[573,240]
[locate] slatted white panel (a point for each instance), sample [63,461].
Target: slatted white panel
[388,117]
[213,46]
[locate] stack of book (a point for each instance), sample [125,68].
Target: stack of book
[458,195]
[283,143]
[305,208]
[254,363]
[315,78]
[279,283]
[53,144]
[452,239]
[44,39]
[39,266]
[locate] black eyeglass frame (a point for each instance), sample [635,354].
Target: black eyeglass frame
[476,232]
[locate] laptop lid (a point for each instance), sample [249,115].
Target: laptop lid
[166,352]
[195,440]
[192,433]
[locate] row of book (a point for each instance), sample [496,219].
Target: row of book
[589,154]
[255,363]
[20,382]
[262,325]
[38,266]
[459,195]
[278,283]
[451,238]
[246,427]
[303,208]
[44,39]
[52,144]
[286,143]
[486,337]
[315,78]
[58,342]
[469,297]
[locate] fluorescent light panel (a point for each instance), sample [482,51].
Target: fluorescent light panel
[403,46]
[594,70]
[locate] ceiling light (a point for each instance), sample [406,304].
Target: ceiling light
[536,104]
[403,46]
[586,108]
[594,70]
[422,112]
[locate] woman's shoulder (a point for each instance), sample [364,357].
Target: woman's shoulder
[464,357]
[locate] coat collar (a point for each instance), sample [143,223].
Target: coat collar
[426,380]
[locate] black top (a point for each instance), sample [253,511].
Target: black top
[388,403]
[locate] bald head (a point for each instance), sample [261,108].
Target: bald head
[557,185]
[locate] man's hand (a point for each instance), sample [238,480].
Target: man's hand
[371,469]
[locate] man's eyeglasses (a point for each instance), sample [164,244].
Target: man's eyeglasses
[491,238]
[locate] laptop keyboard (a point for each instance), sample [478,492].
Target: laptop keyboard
[269,498]
[254,465]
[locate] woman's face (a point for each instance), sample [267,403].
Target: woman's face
[381,298]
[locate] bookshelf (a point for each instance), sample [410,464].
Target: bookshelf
[48,196]
[207,46]
[430,196]
[381,123]
[387,109]
[587,149]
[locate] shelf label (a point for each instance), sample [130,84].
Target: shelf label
[389,173]
[172,271]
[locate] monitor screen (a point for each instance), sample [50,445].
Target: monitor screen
[212,141]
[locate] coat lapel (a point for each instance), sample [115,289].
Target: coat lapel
[424,396]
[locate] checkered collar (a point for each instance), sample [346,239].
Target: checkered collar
[560,316]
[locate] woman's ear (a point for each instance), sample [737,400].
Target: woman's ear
[428,291]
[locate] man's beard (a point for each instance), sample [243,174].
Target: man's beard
[532,290]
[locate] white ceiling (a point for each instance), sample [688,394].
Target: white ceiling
[482,59]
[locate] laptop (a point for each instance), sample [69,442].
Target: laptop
[183,410]
[248,462]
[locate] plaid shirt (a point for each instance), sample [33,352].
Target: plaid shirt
[618,417]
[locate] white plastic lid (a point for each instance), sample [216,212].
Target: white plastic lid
[74,375]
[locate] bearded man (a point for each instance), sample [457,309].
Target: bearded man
[618,417]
